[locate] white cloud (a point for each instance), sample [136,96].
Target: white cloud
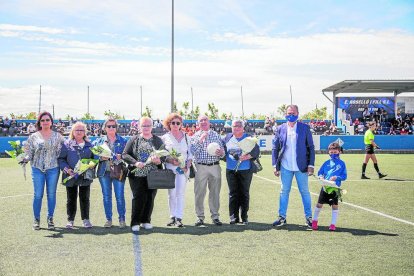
[25,28]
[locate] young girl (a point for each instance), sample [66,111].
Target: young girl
[333,169]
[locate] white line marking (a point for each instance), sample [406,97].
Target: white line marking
[137,253]
[350,204]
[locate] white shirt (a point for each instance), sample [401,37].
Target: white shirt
[181,147]
[289,157]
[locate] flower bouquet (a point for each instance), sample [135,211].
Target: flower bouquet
[102,151]
[246,145]
[81,167]
[330,187]
[178,156]
[18,154]
[159,153]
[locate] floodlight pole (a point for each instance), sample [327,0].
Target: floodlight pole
[241,92]
[141,98]
[291,98]
[40,98]
[88,100]
[192,105]
[172,56]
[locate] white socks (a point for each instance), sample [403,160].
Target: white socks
[316,213]
[334,216]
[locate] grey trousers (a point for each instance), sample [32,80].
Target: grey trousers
[207,176]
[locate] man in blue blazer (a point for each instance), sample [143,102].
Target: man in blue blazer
[293,154]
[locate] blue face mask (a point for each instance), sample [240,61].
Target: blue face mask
[291,118]
[334,155]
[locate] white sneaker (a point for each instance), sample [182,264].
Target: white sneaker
[146,226]
[135,228]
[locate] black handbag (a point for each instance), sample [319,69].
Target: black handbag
[256,166]
[192,171]
[161,179]
[118,171]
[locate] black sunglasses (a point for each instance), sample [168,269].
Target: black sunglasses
[111,126]
[45,120]
[176,123]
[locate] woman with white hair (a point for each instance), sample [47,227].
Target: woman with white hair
[75,148]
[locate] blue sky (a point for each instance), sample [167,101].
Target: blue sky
[264,46]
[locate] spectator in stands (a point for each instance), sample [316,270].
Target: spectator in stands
[42,150]
[177,139]
[239,173]
[366,115]
[136,152]
[360,129]
[208,171]
[75,148]
[31,128]
[293,154]
[116,144]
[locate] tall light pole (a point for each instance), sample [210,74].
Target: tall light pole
[40,98]
[192,105]
[141,98]
[241,92]
[172,56]
[88,100]
[291,98]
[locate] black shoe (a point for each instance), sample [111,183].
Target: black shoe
[245,222]
[36,224]
[171,222]
[217,222]
[280,221]
[364,177]
[380,175]
[179,223]
[199,222]
[309,222]
[50,223]
[234,221]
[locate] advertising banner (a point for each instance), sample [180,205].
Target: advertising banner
[356,105]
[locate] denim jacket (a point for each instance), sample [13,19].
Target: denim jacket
[69,156]
[119,146]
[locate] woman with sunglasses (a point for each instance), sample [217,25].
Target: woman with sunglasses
[177,140]
[77,147]
[116,144]
[137,151]
[42,150]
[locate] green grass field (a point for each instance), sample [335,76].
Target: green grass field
[365,243]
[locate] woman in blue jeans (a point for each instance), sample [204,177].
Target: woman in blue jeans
[42,150]
[117,144]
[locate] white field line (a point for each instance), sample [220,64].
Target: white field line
[350,204]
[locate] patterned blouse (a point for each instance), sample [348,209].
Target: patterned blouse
[144,149]
[42,153]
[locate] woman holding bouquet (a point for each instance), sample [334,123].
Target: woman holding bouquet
[137,152]
[176,141]
[74,149]
[239,172]
[116,144]
[42,150]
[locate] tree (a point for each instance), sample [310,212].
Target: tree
[114,115]
[317,114]
[147,112]
[88,116]
[212,111]
[175,109]
[185,112]
[194,113]
[68,117]
[29,116]
[282,110]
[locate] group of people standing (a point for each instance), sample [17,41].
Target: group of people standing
[293,155]
[49,154]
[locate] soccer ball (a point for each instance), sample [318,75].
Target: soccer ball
[212,148]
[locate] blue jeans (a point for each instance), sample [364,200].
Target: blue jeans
[106,185]
[50,178]
[302,180]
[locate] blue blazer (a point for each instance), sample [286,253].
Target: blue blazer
[305,150]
